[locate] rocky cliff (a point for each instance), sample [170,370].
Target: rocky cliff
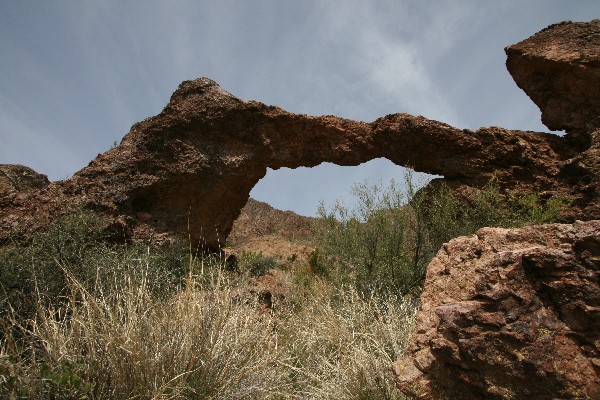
[283,235]
[189,170]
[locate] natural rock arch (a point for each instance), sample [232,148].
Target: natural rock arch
[190,169]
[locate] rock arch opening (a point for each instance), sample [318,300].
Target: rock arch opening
[302,189]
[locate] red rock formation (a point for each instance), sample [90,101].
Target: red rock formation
[510,314]
[190,169]
[515,313]
[261,228]
[559,69]
[15,178]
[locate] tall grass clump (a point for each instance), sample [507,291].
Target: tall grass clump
[39,273]
[207,340]
[384,244]
[341,345]
[124,322]
[127,343]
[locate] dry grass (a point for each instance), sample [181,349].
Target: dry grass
[125,343]
[128,345]
[341,346]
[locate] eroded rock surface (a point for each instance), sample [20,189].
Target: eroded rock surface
[16,178]
[189,170]
[510,314]
[559,69]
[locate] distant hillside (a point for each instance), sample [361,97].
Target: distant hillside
[262,228]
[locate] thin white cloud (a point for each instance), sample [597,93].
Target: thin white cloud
[391,47]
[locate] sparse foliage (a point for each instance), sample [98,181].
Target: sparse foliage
[15,179]
[384,244]
[256,264]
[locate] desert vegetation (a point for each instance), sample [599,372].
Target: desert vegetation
[383,245]
[85,319]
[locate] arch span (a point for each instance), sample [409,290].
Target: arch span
[190,169]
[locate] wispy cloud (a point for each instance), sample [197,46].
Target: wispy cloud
[392,47]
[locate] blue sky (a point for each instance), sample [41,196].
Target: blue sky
[75,75]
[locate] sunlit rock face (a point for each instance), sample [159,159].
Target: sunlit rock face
[188,171]
[510,314]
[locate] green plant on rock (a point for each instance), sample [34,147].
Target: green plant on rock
[15,179]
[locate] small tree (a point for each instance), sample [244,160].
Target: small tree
[373,246]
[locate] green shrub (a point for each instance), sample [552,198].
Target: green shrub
[384,244]
[62,381]
[373,245]
[73,247]
[41,268]
[256,264]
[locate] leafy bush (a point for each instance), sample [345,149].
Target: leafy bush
[73,247]
[256,264]
[369,246]
[385,243]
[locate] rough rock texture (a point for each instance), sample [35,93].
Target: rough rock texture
[559,69]
[190,169]
[510,314]
[14,178]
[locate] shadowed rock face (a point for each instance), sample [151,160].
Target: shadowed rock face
[189,170]
[510,314]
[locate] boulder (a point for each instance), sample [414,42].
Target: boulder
[510,314]
[515,313]
[559,69]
